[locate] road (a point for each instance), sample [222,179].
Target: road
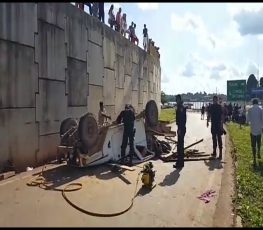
[172,203]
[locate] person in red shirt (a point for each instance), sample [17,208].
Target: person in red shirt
[118,21]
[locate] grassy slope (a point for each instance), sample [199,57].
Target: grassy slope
[167,114]
[249,179]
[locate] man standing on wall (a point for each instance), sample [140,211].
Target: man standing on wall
[215,112]
[101,12]
[255,118]
[145,37]
[181,130]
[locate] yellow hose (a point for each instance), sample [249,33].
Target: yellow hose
[41,182]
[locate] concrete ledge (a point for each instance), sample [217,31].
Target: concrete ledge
[7,175]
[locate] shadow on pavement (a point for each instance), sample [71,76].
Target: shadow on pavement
[63,174]
[143,191]
[171,178]
[214,163]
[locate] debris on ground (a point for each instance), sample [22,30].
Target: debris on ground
[207,195]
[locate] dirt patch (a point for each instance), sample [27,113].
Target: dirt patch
[225,214]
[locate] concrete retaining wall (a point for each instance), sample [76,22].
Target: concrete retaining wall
[57,61]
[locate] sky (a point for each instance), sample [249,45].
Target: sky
[202,45]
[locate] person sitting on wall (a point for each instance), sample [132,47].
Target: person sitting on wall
[111,19]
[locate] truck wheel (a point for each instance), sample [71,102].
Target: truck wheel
[88,130]
[151,113]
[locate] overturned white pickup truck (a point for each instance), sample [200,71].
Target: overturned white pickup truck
[86,144]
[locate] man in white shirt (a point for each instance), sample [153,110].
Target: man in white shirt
[255,118]
[102,115]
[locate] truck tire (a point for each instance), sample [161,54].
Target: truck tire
[88,130]
[151,113]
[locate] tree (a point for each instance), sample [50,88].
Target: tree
[261,82]
[164,98]
[251,83]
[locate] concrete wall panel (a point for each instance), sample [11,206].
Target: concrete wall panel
[77,112]
[76,35]
[135,100]
[57,61]
[120,102]
[51,54]
[47,148]
[18,22]
[52,13]
[119,72]
[95,64]
[145,98]
[140,93]
[109,53]
[135,76]
[141,107]
[51,106]
[19,137]
[127,89]
[18,76]
[78,83]
[135,54]
[120,50]
[128,60]
[110,110]
[95,30]
[95,96]
[109,87]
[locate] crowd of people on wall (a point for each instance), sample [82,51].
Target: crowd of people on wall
[119,23]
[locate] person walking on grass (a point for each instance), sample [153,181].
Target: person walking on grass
[255,119]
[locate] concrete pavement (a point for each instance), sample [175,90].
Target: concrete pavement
[172,203]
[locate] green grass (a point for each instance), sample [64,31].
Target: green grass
[167,114]
[249,179]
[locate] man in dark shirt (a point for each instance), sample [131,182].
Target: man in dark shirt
[181,130]
[145,37]
[131,31]
[217,117]
[127,117]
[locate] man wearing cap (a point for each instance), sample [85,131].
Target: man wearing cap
[181,130]
[127,117]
